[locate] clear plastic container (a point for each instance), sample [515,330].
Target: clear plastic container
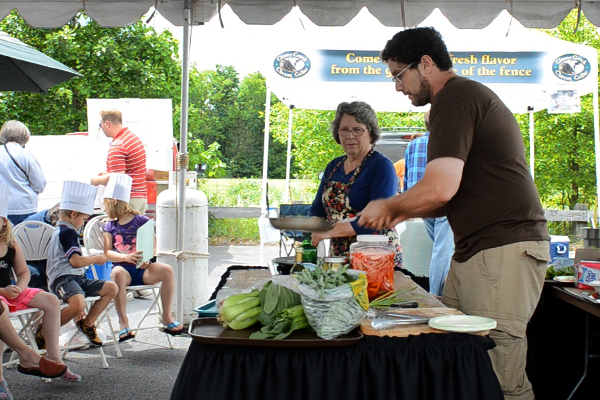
[334,262]
[374,255]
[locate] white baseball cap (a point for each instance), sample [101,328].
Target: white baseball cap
[118,187]
[78,196]
[4,196]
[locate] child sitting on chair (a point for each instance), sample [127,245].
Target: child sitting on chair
[128,269]
[18,296]
[66,263]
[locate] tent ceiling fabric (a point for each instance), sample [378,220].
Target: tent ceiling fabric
[463,14]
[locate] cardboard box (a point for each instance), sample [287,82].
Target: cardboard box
[587,267]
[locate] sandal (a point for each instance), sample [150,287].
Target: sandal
[46,369]
[70,376]
[5,393]
[172,330]
[125,334]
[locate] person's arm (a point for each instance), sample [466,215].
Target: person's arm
[79,261]
[439,184]
[21,269]
[35,174]
[100,179]
[115,256]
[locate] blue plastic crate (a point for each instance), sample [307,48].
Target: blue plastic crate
[103,271]
[207,310]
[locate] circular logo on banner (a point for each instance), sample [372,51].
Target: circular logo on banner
[292,64]
[571,67]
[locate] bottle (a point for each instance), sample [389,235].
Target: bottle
[297,267]
[309,251]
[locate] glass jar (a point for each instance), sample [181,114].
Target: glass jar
[374,255]
[334,262]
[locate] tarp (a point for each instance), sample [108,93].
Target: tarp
[462,13]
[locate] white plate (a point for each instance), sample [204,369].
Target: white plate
[564,278]
[462,323]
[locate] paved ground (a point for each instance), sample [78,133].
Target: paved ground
[148,368]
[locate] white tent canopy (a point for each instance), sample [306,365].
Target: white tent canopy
[462,13]
[339,64]
[527,69]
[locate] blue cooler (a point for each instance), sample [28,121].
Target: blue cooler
[559,247]
[102,270]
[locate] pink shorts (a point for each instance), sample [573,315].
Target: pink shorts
[22,300]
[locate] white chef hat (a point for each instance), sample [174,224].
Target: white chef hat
[118,187]
[78,196]
[4,196]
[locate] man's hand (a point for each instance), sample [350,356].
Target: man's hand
[380,214]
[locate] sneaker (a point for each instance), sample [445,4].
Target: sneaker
[40,341]
[90,332]
[143,293]
[5,393]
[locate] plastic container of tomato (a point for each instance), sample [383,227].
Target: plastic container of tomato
[374,255]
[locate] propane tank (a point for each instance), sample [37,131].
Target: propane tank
[195,243]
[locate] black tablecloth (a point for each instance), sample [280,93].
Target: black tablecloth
[428,366]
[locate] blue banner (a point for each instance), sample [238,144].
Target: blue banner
[485,67]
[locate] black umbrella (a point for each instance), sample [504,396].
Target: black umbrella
[22,68]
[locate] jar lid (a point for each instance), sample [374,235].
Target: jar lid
[373,238]
[341,260]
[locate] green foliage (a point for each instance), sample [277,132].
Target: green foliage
[133,61]
[211,157]
[230,112]
[564,143]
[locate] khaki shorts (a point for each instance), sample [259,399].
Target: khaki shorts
[138,204]
[503,283]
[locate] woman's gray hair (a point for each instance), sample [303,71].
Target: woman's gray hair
[363,113]
[14,131]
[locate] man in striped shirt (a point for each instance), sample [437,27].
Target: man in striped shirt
[126,155]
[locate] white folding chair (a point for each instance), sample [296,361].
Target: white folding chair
[34,238]
[93,240]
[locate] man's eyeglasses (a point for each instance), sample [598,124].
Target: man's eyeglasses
[397,78]
[356,132]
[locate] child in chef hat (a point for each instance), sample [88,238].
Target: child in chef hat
[66,263]
[128,269]
[18,296]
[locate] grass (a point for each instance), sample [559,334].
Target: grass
[247,193]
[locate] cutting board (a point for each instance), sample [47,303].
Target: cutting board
[429,306]
[405,330]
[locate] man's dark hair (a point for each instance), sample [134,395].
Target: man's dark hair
[410,45]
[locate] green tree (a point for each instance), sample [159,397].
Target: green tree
[564,143]
[134,61]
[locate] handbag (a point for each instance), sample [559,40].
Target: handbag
[15,161]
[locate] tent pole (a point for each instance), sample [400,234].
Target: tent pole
[287,196]
[597,150]
[531,144]
[183,156]
[263,201]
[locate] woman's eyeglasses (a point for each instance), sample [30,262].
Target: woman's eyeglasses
[356,132]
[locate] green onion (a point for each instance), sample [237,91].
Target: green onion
[400,295]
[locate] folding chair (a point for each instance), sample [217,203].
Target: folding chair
[288,237]
[93,240]
[34,238]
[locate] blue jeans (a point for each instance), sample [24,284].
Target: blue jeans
[440,232]
[16,219]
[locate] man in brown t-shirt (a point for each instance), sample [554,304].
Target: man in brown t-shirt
[477,176]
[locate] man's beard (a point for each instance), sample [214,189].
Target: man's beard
[422,97]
